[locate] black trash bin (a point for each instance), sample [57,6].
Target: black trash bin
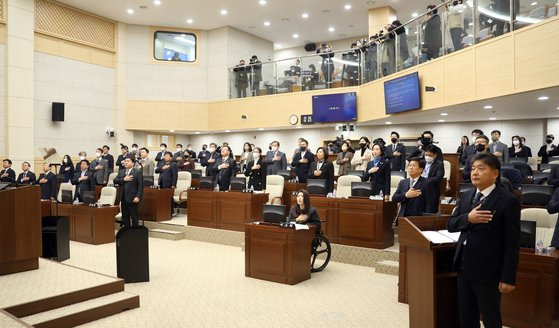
[132,254]
[56,237]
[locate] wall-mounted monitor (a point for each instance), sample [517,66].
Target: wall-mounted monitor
[402,94]
[339,107]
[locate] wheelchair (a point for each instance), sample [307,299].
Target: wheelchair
[321,251]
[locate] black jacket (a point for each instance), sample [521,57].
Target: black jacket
[130,189]
[256,178]
[302,169]
[397,163]
[411,206]
[68,175]
[111,161]
[167,178]
[434,178]
[204,162]
[433,38]
[380,179]
[552,208]
[418,152]
[327,173]
[312,217]
[224,175]
[159,156]
[48,189]
[30,175]
[553,179]
[119,162]
[491,251]
[544,155]
[468,151]
[11,175]
[85,185]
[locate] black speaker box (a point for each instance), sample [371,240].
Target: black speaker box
[310,47]
[57,112]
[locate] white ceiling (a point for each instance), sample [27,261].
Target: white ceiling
[249,16]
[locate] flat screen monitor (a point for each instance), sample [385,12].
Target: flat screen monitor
[358,173]
[238,183]
[317,186]
[148,181]
[4,185]
[286,174]
[89,197]
[67,196]
[196,174]
[528,234]
[206,183]
[361,189]
[339,107]
[273,213]
[402,94]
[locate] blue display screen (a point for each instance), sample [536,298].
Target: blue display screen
[402,94]
[340,107]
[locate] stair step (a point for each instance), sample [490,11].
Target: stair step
[166,234]
[84,312]
[387,267]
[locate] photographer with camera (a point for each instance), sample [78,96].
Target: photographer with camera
[255,75]
[327,65]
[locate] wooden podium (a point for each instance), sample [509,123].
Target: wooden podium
[156,205]
[278,254]
[20,229]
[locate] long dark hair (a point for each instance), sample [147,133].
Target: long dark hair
[325,158]
[467,140]
[70,164]
[306,201]
[249,146]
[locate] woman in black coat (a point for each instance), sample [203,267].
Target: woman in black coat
[256,171]
[322,169]
[67,168]
[378,172]
[302,212]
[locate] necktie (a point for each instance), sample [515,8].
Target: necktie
[412,183]
[128,172]
[477,198]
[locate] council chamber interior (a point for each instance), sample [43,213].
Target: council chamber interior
[281,163]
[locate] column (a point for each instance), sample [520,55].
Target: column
[19,116]
[379,17]
[121,134]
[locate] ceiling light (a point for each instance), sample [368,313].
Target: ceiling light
[347,7]
[279,46]
[260,129]
[156,2]
[444,114]
[542,98]
[305,15]
[262,2]
[534,3]
[414,15]
[488,107]
[130,11]
[197,132]
[266,23]
[388,123]
[331,29]
[492,118]
[189,21]
[299,127]
[227,131]
[223,12]
[557,107]
[441,120]
[295,36]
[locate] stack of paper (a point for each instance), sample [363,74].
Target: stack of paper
[441,236]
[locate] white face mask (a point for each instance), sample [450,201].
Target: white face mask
[212,150]
[189,148]
[516,142]
[134,148]
[163,148]
[82,158]
[255,155]
[65,160]
[429,159]
[274,148]
[179,149]
[97,155]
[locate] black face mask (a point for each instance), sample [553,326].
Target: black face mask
[203,148]
[394,140]
[425,141]
[363,145]
[480,147]
[548,141]
[302,148]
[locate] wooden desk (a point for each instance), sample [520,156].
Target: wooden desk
[93,225]
[224,210]
[156,205]
[356,221]
[278,254]
[46,208]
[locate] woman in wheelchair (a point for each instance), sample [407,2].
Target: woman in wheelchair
[303,213]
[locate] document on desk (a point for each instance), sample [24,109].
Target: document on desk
[301,226]
[436,237]
[452,235]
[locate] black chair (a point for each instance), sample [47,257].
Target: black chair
[402,174]
[358,173]
[317,187]
[238,183]
[538,195]
[287,174]
[524,169]
[196,174]
[553,158]
[206,183]
[545,166]
[539,177]
[518,160]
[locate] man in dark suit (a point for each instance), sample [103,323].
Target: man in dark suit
[471,149]
[168,172]
[547,150]
[302,161]
[203,152]
[131,191]
[190,151]
[553,179]
[83,180]
[26,176]
[434,173]
[480,145]
[412,192]
[110,159]
[121,157]
[552,208]
[159,156]
[82,155]
[179,155]
[47,181]
[425,140]
[224,169]
[209,160]
[100,168]
[275,159]
[7,174]
[396,153]
[486,255]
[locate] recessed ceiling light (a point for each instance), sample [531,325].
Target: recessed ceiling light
[444,114]
[470,24]
[223,12]
[347,7]
[279,46]
[331,29]
[388,123]
[295,36]
[414,15]
[488,107]
[542,98]
[266,23]
[171,130]
[189,21]
[326,11]
[262,2]
[130,11]
[227,131]
[534,3]
[492,118]
[156,2]
[260,129]
[197,132]
[441,120]
[305,15]
[557,107]
[285,20]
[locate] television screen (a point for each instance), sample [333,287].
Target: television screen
[340,107]
[402,94]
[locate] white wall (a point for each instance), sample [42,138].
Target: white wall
[88,92]
[2,103]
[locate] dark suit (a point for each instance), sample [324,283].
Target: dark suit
[101,176]
[205,162]
[552,208]
[83,186]
[29,174]
[302,169]
[159,156]
[418,152]
[553,179]
[380,179]
[274,166]
[68,175]
[224,175]
[167,178]
[312,217]
[397,163]
[119,162]
[256,178]
[11,175]
[48,189]
[434,179]
[411,206]
[202,154]
[111,160]
[468,151]
[468,168]
[327,173]
[544,155]
[489,257]
[127,192]
[523,153]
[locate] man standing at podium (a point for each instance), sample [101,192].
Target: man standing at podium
[486,254]
[131,191]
